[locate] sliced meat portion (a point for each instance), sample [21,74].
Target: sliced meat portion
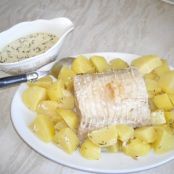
[118,97]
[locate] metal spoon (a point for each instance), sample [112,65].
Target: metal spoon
[54,71]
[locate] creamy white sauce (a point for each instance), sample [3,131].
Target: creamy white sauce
[27,46]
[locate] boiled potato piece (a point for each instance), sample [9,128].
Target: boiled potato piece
[33,95]
[136,148]
[162,101]
[162,69]
[44,82]
[67,75]
[67,140]
[60,125]
[104,137]
[100,63]
[147,134]
[114,148]
[166,82]
[43,127]
[152,86]
[49,107]
[147,63]
[118,64]
[152,105]
[90,151]
[164,141]
[67,100]
[70,117]
[125,132]
[171,96]
[151,76]
[55,91]
[158,117]
[82,65]
[169,116]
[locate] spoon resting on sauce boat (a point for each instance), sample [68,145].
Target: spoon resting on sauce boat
[54,71]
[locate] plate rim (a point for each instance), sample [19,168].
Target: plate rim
[123,171]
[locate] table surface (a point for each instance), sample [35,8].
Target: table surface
[131,26]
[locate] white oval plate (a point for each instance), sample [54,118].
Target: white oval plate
[109,163]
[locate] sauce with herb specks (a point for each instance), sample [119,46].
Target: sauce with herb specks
[27,46]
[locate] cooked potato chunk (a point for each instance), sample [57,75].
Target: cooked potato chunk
[66,75]
[70,117]
[171,96]
[49,107]
[33,95]
[43,128]
[55,91]
[100,63]
[166,82]
[60,125]
[152,105]
[67,140]
[67,100]
[162,101]
[44,82]
[90,151]
[136,148]
[147,134]
[118,64]
[104,137]
[158,117]
[146,64]
[162,69]
[169,116]
[151,76]
[152,86]
[164,141]
[125,132]
[114,148]
[82,65]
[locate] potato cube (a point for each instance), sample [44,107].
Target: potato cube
[33,95]
[49,108]
[60,125]
[44,82]
[82,65]
[100,63]
[67,75]
[90,151]
[151,76]
[114,148]
[67,100]
[147,134]
[169,116]
[67,140]
[147,63]
[70,117]
[55,91]
[162,101]
[158,117]
[166,82]
[125,132]
[152,86]
[104,137]
[152,105]
[118,64]
[136,148]
[43,128]
[162,69]
[164,141]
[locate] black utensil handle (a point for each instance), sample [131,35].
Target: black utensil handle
[11,80]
